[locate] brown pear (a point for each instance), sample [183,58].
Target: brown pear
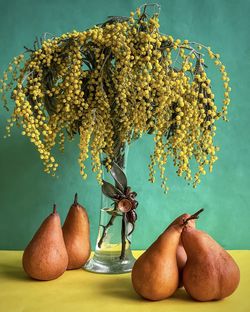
[45,258]
[155,273]
[76,235]
[181,255]
[210,272]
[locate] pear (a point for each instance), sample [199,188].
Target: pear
[181,255]
[210,272]
[45,258]
[155,273]
[76,235]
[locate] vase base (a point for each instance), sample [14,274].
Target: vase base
[110,264]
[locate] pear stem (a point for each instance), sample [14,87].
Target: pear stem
[54,208]
[76,199]
[193,216]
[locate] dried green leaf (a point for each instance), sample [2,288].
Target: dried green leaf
[119,176]
[114,19]
[109,190]
[112,212]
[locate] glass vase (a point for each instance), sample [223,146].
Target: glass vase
[112,251]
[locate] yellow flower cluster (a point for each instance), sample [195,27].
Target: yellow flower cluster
[112,84]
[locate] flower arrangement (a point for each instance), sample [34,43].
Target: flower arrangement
[113,83]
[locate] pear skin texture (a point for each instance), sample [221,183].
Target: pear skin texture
[45,258]
[181,255]
[76,235]
[155,273]
[210,272]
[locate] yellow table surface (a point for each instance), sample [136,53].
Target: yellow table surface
[79,290]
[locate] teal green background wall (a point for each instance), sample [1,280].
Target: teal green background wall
[27,194]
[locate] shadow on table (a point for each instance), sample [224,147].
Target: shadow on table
[118,287]
[13,272]
[181,294]
[122,288]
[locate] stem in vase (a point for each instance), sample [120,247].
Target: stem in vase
[105,230]
[123,235]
